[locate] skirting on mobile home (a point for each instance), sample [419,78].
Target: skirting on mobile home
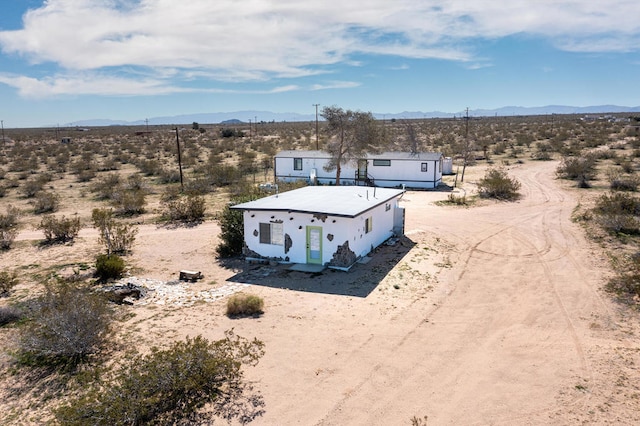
[323,225]
[390,169]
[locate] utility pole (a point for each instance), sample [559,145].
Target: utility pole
[466,143]
[146,120]
[179,159]
[2,122]
[250,129]
[317,146]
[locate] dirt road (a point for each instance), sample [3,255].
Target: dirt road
[514,332]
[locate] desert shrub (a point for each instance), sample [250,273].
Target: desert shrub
[129,202]
[9,314]
[69,324]
[190,382]
[231,233]
[496,183]
[46,202]
[500,148]
[190,208]
[59,230]
[621,183]
[231,133]
[578,168]
[542,152]
[7,282]
[241,304]
[170,193]
[627,166]
[456,200]
[86,175]
[117,237]
[9,227]
[618,212]
[109,266]
[169,176]
[150,167]
[626,281]
[3,191]
[105,187]
[31,187]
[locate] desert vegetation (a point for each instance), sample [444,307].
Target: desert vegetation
[114,179]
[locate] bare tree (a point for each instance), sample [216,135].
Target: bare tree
[412,137]
[352,135]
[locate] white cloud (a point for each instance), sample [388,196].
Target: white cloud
[233,40]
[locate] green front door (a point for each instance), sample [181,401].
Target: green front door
[314,244]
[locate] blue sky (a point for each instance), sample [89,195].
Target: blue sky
[69,60]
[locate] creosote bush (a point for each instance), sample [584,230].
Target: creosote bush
[626,282]
[190,382]
[190,208]
[8,227]
[496,183]
[46,202]
[618,212]
[8,280]
[69,325]
[9,314]
[117,237]
[242,304]
[109,266]
[581,169]
[59,230]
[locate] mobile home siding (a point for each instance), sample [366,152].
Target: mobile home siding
[391,170]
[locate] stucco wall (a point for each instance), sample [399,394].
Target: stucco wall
[335,231]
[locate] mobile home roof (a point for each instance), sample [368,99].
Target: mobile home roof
[345,201]
[391,155]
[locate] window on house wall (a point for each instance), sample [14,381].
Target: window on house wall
[424,167]
[272,233]
[297,164]
[381,162]
[368,225]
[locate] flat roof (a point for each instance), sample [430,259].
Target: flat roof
[389,155]
[345,201]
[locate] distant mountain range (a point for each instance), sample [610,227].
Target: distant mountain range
[268,116]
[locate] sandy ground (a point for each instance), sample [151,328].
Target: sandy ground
[492,314]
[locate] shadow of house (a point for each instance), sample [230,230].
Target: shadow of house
[360,281]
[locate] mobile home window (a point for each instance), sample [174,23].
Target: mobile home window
[297,164]
[368,225]
[271,233]
[424,167]
[381,162]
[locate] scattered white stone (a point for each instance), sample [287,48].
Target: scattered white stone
[179,293]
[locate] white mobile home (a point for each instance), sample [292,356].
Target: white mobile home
[390,169]
[323,225]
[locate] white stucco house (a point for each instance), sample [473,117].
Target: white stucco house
[390,169]
[323,225]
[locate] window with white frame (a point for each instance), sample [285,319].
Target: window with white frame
[424,167]
[381,162]
[272,233]
[297,164]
